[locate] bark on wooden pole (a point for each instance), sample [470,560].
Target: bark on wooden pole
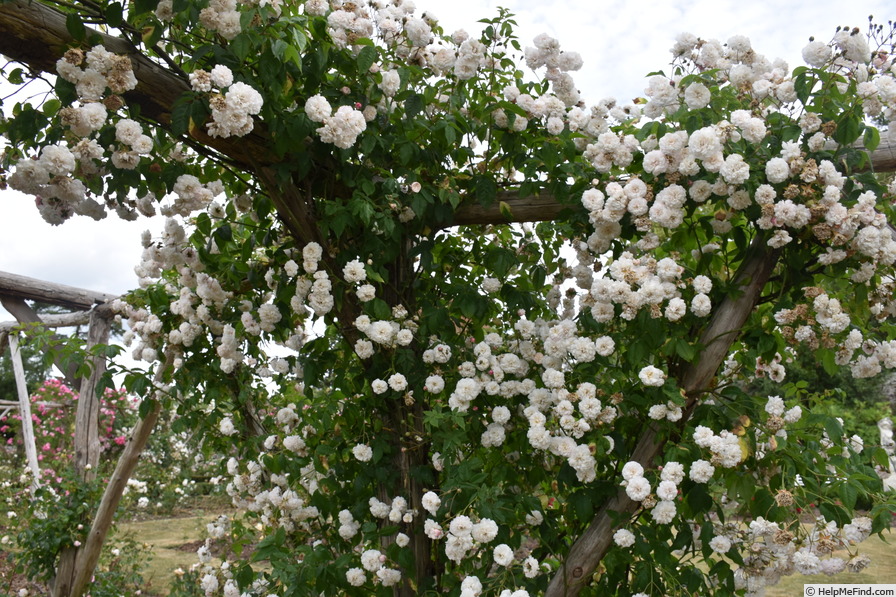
[87,441]
[53,320]
[33,289]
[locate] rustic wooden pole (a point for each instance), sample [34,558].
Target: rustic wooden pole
[53,320]
[25,411]
[87,441]
[89,553]
[32,289]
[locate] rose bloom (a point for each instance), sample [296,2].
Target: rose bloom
[651,376]
[503,555]
[624,538]
[362,452]
[638,489]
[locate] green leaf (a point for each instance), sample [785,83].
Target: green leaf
[143,6]
[684,349]
[366,57]
[881,458]
[406,153]
[180,114]
[151,34]
[240,45]
[828,362]
[204,223]
[413,105]
[299,40]
[834,513]
[115,14]
[75,26]
[637,352]
[269,546]
[224,234]
[15,76]
[450,133]
[582,506]
[486,189]
[803,81]
[362,209]
[50,107]
[872,138]
[380,309]
[505,210]
[848,495]
[500,261]
[278,47]
[849,127]
[699,499]
[833,427]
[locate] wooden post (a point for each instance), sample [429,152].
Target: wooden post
[25,410]
[87,442]
[102,522]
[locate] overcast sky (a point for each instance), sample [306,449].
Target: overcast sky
[621,41]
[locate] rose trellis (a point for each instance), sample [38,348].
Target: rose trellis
[463,331]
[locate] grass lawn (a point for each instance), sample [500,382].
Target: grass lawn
[174,543]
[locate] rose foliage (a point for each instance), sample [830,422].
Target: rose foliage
[466,332]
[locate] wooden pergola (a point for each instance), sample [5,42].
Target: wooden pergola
[88,307]
[95,310]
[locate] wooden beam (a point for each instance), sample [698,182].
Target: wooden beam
[533,208]
[88,555]
[35,35]
[32,289]
[87,439]
[883,159]
[52,320]
[716,338]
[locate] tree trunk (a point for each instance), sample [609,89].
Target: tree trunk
[721,332]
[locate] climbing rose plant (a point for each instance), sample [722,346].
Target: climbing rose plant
[430,387]
[53,406]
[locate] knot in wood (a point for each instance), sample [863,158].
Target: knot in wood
[577,572]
